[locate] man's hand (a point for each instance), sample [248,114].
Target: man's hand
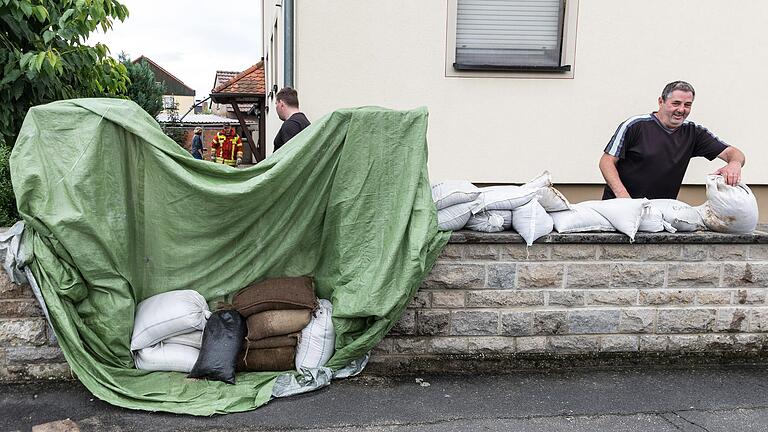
[239,162]
[623,194]
[731,173]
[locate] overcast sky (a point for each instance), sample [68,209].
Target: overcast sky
[191,39]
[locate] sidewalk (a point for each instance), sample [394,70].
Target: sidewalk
[727,398]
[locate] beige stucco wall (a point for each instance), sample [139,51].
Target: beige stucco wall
[185,103]
[508,129]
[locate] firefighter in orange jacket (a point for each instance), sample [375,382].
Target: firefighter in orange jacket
[226,147]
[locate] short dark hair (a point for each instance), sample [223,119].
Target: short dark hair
[676,85]
[289,96]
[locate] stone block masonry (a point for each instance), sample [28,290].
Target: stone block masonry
[587,294]
[490,297]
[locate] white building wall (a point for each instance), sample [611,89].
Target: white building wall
[507,129]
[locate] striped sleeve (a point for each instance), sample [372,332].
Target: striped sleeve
[615,146]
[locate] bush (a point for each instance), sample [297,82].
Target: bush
[8,213]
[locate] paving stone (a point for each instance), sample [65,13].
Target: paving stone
[587,275]
[455,276]
[631,275]
[501,275]
[686,320]
[694,275]
[539,275]
[474,323]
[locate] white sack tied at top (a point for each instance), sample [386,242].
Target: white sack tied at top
[550,198]
[168,314]
[653,221]
[454,218]
[452,192]
[502,198]
[490,221]
[580,219]
[531,221]
[679,215]
[623,213]
[729,209]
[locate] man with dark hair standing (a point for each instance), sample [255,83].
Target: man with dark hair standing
[294,121]
[648,155]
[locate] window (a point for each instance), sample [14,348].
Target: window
[510,35]
[168,102]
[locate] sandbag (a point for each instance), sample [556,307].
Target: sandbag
[729,209]
[580,219]
[653,221]
[317,339]
[502,198]
[275,294]
[267,359]
[490,221]
[679,215]
[222,341]
[168,314]
[276,323]
[166,357]
[552,199]
[542,180]
[452,192]
[274,341]
[454,218]
[193,339]
[531,221]
[623,213]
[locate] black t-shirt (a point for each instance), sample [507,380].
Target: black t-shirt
[291,126]
[653,159]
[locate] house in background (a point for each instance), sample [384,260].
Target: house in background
[177,94]
[514,87]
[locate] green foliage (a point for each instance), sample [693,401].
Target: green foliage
[143,89]
[8,213]
[43,58]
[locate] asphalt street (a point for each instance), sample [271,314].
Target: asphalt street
[728,399]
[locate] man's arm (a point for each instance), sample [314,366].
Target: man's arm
[611,175]
[732,170]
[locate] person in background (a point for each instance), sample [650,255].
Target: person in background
[648,155]
[197,144]
[226,147]
[294,121]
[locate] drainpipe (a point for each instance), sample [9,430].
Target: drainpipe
[288,48]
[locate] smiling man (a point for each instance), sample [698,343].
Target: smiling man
[648,155]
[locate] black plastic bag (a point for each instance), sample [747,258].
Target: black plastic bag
[223,339]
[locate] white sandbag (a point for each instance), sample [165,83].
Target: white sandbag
[531,221]
[542,180]
[653,221]
[679,215]
[580,219]
[502,198]
[193,339]
[452,192]
[729,209]
[454,217]
[623,213]
[552,199]
[166,357]
[168,314]
[318,338]
[490,221]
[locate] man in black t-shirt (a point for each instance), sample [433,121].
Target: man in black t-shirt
[294,121]
[648,155]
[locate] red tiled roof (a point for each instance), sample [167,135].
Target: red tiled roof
[249,81]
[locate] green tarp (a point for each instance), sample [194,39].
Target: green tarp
[117,212]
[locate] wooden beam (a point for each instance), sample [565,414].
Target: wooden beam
[246,131]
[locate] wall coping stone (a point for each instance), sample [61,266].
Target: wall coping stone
[697,237]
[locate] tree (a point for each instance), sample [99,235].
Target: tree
[143,89]
[44,58]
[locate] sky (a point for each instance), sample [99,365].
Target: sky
[190,39]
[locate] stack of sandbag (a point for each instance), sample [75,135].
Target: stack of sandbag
[677,215]
[275,311]
[729,209]
[168,330]
[453,200]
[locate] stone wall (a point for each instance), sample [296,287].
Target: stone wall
[489,298]
[570,295]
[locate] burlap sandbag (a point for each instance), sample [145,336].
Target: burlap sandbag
[274,341]
[272,294]
[267,359]
[277,323]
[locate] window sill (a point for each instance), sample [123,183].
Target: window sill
[500,68]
